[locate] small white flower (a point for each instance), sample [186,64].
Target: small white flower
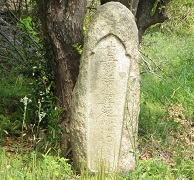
[25,100]
[41,116]
[8,167]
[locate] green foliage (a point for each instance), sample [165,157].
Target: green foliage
[176,67]
[78,48]
[184,169]
[156,169]
[4,125]
[158,4]
[151,169]
[181,19]
[11,91]
[91,10]
[33,166]
[36,166]
[181,14]
[170,59]
[27,25]
[29,75]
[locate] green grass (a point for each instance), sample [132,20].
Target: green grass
[175,57]
[167,104]
[41,167]
[12,89]
[33,166]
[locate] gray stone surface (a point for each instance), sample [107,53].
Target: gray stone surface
[105,101]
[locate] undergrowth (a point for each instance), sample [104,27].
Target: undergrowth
[167,100]
[33,166]
[166,121]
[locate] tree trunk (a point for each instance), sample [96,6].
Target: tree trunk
[62,22]
[150,12]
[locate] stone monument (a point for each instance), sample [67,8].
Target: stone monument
[105,101]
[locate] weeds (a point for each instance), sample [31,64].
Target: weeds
[166,117]
[165,125]
[25,100]
[32,167]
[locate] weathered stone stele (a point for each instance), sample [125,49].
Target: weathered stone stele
[105,101]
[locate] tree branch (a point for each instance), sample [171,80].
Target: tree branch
[148,14]
[149,67]
[17,50]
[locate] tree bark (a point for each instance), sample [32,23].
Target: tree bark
[62,23]
[148,14]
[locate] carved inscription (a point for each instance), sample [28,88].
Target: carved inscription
[106,95]
[107,100]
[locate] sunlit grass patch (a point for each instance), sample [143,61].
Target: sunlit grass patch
[33,167]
